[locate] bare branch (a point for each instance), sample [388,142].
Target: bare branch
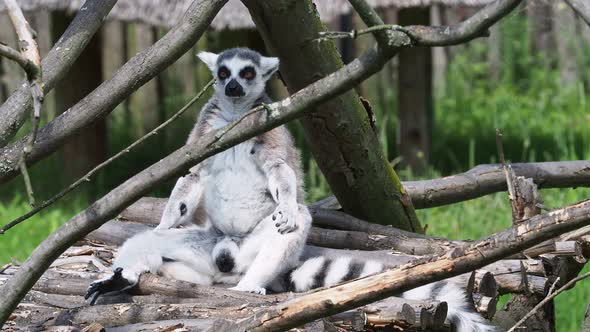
[476,26]
[14,55]
[26,41]
[582,8]
[55,65]
[30,51]
[549,297]
[105,163]
[487,179]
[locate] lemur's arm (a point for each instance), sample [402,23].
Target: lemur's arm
[282,178]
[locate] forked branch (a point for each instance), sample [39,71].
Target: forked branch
[30,61]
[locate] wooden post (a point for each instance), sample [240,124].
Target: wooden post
[540,15]
[439,55]
[89,147]
[415,96]
[526,203]
[568,47]
[144,102]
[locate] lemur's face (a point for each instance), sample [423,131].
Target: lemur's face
[183,202]
[240,73]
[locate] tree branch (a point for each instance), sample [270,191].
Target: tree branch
[14,55]
[487,179]
[182,159]
[474,27]
[102,165]
[55,65]
[32,67]
[582,8]
[137,71]
[419,272]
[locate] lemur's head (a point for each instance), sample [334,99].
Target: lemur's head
[183,203]
[241,73]
[224,254]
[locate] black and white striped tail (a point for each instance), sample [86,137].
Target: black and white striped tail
[325,272]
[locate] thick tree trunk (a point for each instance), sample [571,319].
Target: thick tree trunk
[88,148]
[339,133]
[415,108]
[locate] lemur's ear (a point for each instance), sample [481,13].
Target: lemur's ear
[210,59]
[269,66]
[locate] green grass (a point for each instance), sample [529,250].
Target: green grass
[20,241]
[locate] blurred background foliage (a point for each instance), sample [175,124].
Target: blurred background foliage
[542,118]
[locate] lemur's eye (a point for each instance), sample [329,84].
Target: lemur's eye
[223,73]
[248,73]
[182,209]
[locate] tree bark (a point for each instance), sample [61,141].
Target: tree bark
[526,203]
[339,133]
[415,99]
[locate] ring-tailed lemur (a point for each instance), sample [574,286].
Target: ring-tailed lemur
[252,190]
[204,256]
[195,255]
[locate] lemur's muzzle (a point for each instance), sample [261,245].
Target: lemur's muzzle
[225,261]
[234,89]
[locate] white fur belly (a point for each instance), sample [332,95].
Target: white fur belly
[236,195]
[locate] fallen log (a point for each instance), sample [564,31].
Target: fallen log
[484,180]
[351,233]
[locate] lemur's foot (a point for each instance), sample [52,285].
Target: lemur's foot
[249,289]
[285,218]
[115,283]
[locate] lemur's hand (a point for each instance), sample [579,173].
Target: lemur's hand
[286,217]
[115,283]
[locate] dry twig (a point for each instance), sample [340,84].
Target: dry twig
[30,61]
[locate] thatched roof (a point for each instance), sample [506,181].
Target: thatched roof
[166,13]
